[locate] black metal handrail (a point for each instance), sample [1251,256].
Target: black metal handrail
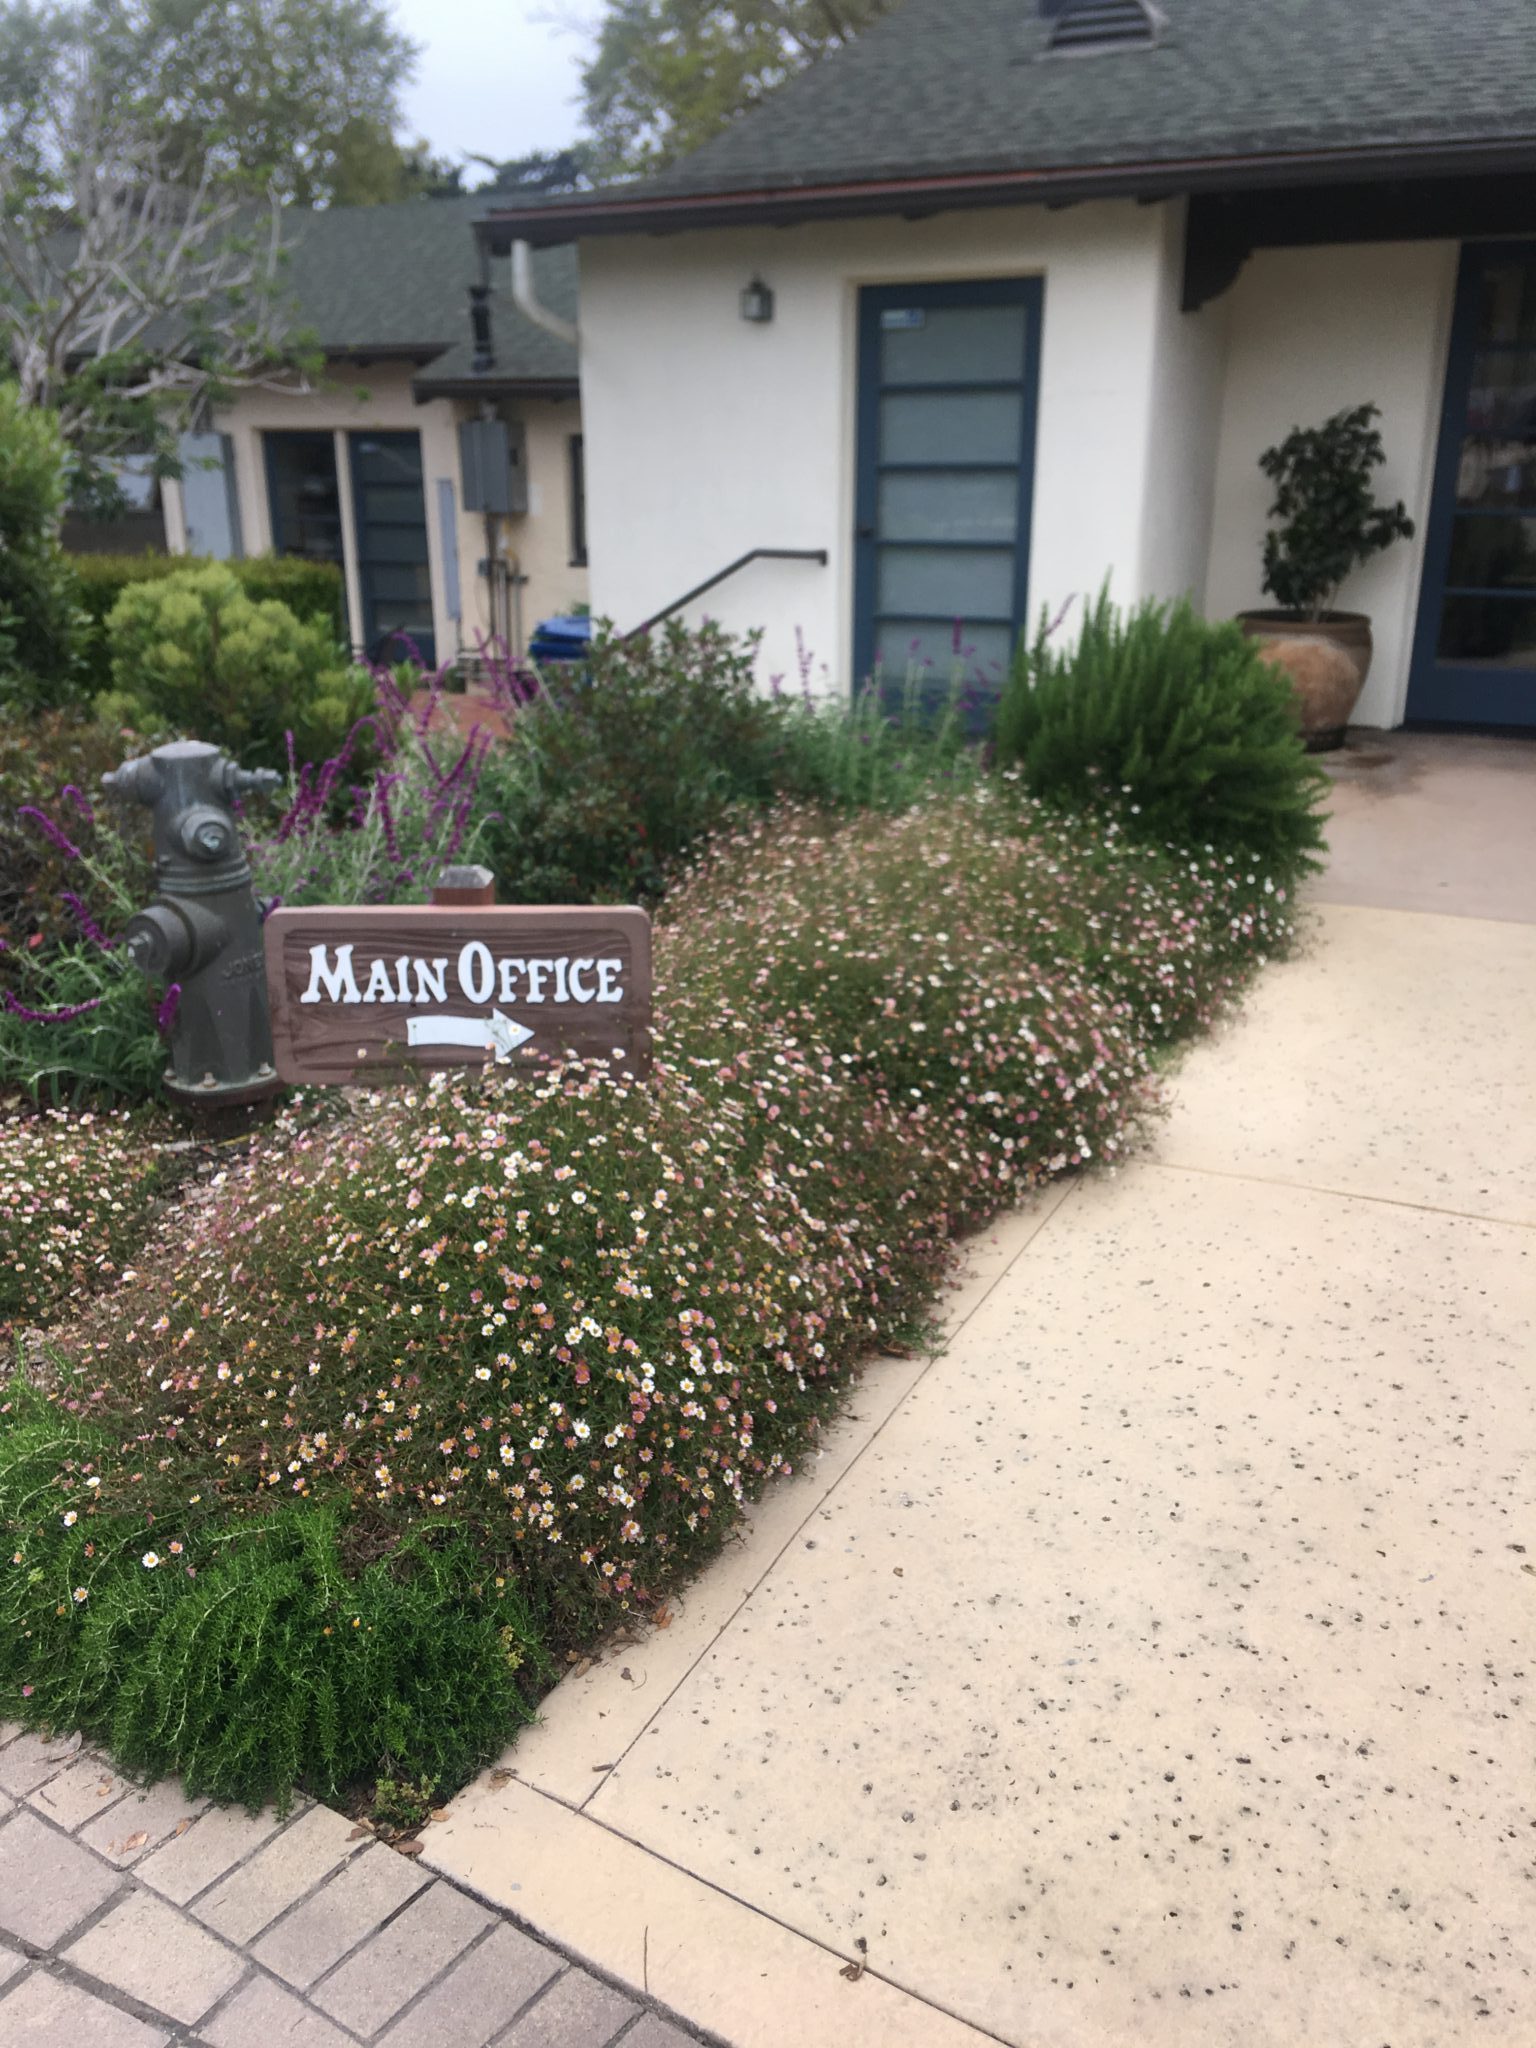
[817,555]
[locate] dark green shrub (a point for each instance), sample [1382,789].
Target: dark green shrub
[39,615]
[1176,722]
[617,772]
[195,655]
[313,591]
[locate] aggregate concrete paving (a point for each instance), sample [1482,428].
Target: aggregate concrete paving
[1153,1664]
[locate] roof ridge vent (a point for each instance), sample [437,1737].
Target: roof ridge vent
[1084,28]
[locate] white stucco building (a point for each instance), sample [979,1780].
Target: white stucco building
[366,467]
[1043,280]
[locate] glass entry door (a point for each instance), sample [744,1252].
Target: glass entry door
[1475,652]
[947,382]
[394,578]
[303,496]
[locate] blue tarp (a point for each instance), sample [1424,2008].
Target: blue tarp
[567,639]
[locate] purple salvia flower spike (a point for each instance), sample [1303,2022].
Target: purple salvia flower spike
[386,819]
[64,1016]
[49,830]
[87,923]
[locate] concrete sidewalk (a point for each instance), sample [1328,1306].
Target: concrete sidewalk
[1151,1665]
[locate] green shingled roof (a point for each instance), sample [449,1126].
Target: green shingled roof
[949,87]
[394,279]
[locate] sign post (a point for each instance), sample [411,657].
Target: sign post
[356,992]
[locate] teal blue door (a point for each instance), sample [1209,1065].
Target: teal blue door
[1474,659]
[947,383]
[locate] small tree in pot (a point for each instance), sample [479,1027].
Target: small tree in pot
[1326,522]
[1329,523]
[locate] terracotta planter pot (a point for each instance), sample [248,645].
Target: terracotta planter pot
[1327,660]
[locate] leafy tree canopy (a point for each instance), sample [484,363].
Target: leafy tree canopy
[667,75]
[287,96]
[289,100]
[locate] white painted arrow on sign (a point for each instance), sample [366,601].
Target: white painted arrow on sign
[496,1033]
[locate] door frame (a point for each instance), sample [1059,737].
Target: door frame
[1443,693]
[873,300]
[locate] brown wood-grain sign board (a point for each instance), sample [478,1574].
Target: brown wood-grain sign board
[358,991]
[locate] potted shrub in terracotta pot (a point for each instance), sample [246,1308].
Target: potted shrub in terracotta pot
[1326,522]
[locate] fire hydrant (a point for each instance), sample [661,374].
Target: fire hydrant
[202,933]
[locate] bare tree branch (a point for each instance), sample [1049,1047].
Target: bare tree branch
[128,278]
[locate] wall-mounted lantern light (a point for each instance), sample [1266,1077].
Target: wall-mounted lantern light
[757,303]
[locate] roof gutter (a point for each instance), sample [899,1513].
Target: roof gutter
[609,213]
[427,387]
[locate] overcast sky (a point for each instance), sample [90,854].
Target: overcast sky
[496,76]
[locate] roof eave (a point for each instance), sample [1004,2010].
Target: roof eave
[787,206]
[490,385]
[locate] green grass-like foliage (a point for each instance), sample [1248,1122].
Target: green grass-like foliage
[109,1052]
[1176,719]
[248,1658]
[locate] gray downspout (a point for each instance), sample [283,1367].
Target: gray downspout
[525,296]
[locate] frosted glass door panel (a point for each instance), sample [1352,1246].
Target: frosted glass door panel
[950,505]
[953,582]
[952,426]
[954,345]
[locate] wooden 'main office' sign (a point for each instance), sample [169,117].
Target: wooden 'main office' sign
[355,991]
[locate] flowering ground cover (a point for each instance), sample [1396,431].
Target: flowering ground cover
[421,1397]
[75,1195]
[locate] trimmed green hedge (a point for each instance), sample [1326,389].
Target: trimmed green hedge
[311,590]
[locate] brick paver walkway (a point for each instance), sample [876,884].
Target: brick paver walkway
[136,1919]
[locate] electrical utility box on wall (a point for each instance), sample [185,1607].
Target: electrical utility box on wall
[493,464]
